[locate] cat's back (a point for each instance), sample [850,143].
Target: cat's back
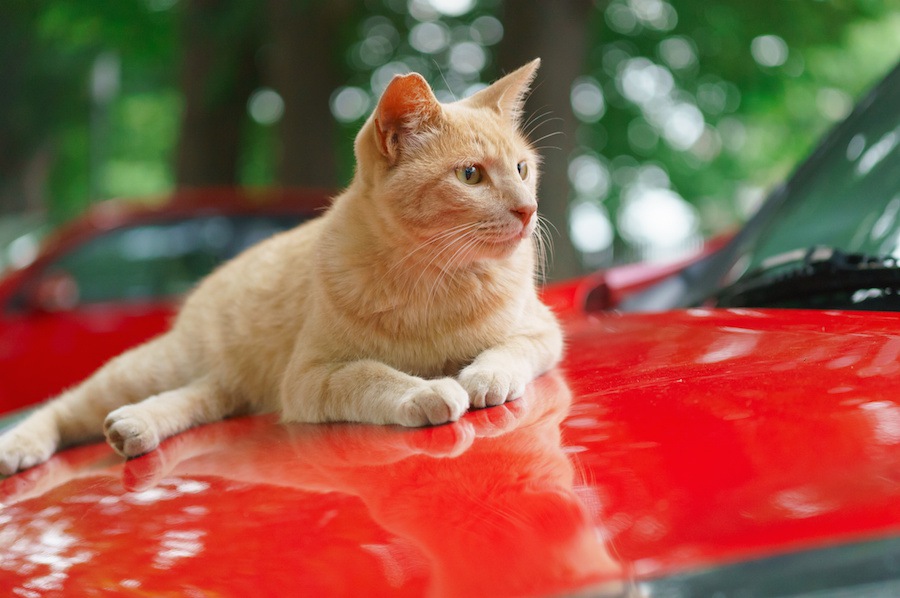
[267,274]
[247,312]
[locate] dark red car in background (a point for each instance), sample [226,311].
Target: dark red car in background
[112,279]
[727,428]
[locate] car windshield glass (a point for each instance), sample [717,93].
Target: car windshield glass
[159,260]
[845,198]
[20,237]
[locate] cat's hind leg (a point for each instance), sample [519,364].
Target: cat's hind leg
[77,415]
[136,429]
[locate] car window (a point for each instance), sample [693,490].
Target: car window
[161,259]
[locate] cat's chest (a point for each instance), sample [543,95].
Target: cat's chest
[421,325]
[436,338]
[433,356]
[422,343]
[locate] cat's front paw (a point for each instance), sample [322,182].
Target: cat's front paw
[488,387]
[129,432]
[21,449]
[436,402]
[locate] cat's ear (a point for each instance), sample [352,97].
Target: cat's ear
[406,106]
[507,95]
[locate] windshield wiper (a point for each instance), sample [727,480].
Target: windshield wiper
[819,277]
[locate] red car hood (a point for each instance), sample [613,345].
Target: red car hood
[664,443]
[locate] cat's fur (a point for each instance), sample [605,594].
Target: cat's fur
[411,299]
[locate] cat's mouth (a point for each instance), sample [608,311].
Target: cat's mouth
[503,240]
[500,242]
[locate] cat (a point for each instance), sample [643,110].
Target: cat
[410,300]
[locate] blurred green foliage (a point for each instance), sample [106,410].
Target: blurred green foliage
[759,81]
[47,52]
[710,102]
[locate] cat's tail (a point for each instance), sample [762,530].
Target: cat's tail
[77,415]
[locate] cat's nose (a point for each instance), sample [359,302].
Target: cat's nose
[524,212]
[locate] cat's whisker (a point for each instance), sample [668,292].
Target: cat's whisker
[536,120]
[543,220]
[448,269]
[467,250]
[540,123]
[544,247]
[547,136]
[449,265]
[537,85]
[413,289]
[534,116]
[534,130]
[530,133]
[446,83]
[434,240]
[461,233]
[441,236]
[447,241]
[546,117]
[539,255]
[449,236]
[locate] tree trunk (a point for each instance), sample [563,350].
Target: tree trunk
[217,75]
[304,66]
[556,32]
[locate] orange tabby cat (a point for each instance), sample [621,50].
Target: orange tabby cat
[411,299]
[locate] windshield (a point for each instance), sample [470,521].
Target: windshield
[846,197]
[20,237]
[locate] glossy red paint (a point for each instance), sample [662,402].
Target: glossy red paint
[43,352]
[724,435]
[663,443]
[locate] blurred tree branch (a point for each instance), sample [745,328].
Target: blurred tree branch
[219,40]
[304,65]
[556,32]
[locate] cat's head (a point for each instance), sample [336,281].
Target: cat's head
[463,172]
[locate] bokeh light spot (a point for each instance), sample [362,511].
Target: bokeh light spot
[769,50]
[833,104]
[658,220]
[589,176]
[349,104]
[429,37]
[678,52]
[587,99]
[487,30]
[452,8]
[589,227]
[467,58]
[265,106]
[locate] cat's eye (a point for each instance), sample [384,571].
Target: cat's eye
[523,169]
[469,175]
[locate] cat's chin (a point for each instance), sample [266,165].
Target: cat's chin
[498,248]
